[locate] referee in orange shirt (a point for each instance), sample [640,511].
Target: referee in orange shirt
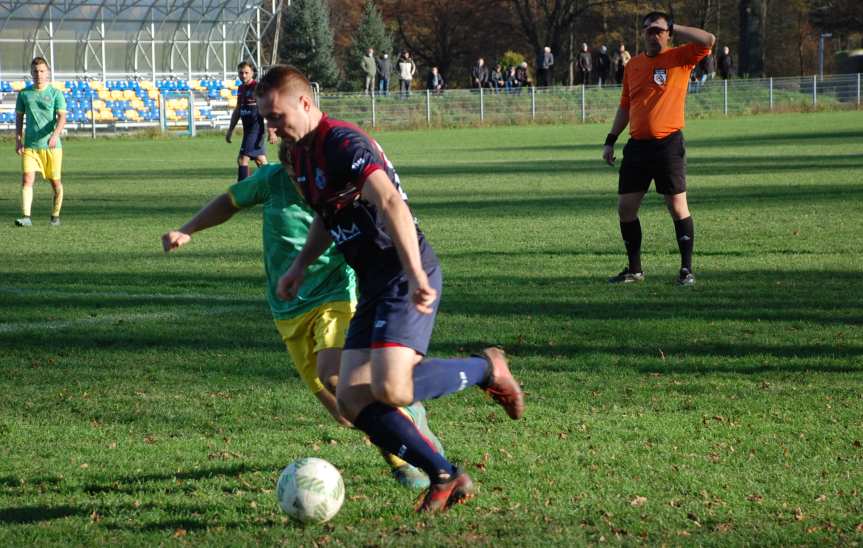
[652,104]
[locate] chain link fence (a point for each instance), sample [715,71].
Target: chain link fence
[459,108]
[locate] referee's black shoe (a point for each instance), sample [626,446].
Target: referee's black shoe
[626,277]
[685,278]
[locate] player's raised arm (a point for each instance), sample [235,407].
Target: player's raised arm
[695,35]
[213,214]
[317,242]
[380,191]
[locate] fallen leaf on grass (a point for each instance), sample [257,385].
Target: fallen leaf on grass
[755,497]
[180,532]
[95,517]
[799,515]
[822,498]
[638,501]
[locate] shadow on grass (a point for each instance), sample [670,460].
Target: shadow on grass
[34,514]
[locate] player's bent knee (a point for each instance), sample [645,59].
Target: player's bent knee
[391,394]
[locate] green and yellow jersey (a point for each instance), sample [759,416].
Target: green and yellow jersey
[40,108]
[287,219]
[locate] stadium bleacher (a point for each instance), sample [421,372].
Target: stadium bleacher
[131,100]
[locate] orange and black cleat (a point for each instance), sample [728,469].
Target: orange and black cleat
[502,386]
[440,497]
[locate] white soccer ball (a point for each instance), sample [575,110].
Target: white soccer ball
[310,490]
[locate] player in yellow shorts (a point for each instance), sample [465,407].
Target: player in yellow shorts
[44,109]
[312,325]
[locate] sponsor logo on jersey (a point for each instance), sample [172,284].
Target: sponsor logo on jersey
[660,76]
[341,234]
[320,179]
[358,163]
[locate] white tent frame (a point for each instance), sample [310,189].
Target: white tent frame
[174,25]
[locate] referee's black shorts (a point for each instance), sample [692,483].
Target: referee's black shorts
[661,160]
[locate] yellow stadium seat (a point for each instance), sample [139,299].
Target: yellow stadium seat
[104,95]
[153,93]
[225,93]
[117,95]
[129,94]
[89,115]
[98,104]
[59,85]
[97,85]
[182,104]
[132,115]
[232,101]
[145,84]
[18,85]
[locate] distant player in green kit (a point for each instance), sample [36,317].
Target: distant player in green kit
[44,109]
[312,325]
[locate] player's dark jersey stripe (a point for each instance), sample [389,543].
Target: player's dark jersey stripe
[331,172]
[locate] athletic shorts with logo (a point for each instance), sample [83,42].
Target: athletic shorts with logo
[659,160]
[47,161]
[318,329]
[390,318]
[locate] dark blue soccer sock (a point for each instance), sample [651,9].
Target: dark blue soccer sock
[435,377]
[242,172]
[685,231]
[631,233]
[395,433]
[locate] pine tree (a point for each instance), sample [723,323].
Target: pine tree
[371,33]
[307,41]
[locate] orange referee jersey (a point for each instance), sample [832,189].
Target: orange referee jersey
[654,90]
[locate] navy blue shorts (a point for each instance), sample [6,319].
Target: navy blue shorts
[391,319]
[253,141]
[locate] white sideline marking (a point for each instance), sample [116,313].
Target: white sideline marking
[126,294]
[201,309]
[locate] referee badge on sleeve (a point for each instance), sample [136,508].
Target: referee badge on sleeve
[660,75]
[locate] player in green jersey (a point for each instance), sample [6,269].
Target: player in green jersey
[44,108]
[312,325]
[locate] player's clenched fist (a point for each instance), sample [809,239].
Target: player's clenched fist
[174,239]
[289,284]
[423,297]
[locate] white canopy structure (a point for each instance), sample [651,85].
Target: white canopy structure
[148,38]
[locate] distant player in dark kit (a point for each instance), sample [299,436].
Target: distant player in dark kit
[254,129]
[652,104]
[359,205]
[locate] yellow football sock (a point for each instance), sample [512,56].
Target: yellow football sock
[58,201]
[392,460]
[26,200]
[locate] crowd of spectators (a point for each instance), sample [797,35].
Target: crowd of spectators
[593,66]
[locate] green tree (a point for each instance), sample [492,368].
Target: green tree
[307,41]
[371,33]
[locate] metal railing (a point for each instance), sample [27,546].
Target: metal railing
[560,104]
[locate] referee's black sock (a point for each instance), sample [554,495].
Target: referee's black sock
[242,172]
[685,231]
[631,233]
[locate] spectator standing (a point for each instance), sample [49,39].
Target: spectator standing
[584,64]
[407,69]
[619,61]
[726,64]
[435,82]
[497,79]
[522,75]
[385,70]
[370,68]
[546,64]
[479,74]
[603,66]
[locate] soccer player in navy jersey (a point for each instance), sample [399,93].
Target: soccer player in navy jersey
[254,130]
[359,205]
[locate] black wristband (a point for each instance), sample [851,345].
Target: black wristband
[610,139]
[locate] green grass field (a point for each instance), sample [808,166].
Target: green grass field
[146,399]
